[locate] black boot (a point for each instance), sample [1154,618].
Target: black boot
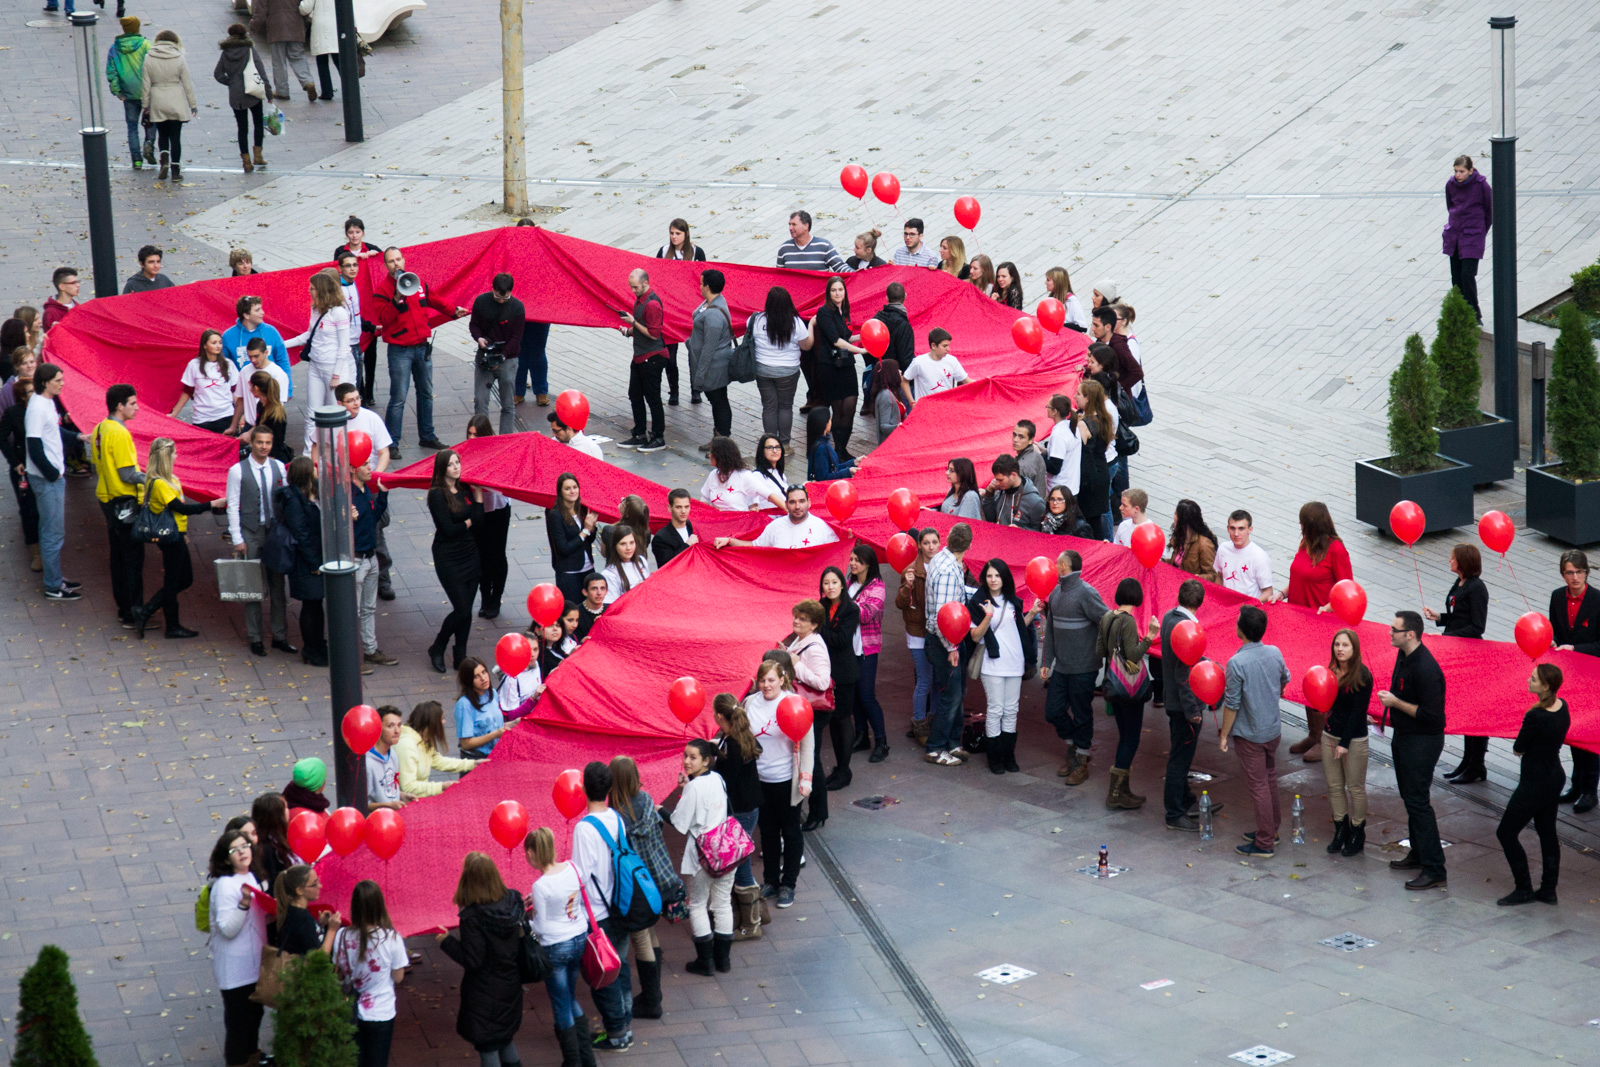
[1341,835]
[722,952]
[701,964]
[997,760]
[1357,841]
[436,657]
[1010,742]
[585,1042]
[568,1040]
[647,1005]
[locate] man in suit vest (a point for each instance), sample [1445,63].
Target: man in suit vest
[1575,621]
[1185,713]
[251,483]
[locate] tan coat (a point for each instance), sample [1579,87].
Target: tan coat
[1199,559]
[168,94]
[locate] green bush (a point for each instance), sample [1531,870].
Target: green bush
[312,1024]
[1586,289]
[1574,403]
[1413,411]
[49,1031]
[1455,363]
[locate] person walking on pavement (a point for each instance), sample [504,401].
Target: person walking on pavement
[1252,724]
[1544,728]
[281,23]
[125,79]
[324,42]
[1417,701]
[169,100]
[643,327]
[1470,203]
[244,96]
[1575,620]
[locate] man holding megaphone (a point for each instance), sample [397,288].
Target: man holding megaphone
[401,310]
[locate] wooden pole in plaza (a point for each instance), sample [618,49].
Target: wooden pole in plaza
[516,157]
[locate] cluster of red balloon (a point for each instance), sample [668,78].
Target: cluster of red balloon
[885,186]
[346,829]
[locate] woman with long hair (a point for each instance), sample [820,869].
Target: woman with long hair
[642,821]
[238,934]
[769,465]
[866,588]
[737,751]
[14,443]
[1344,744]
[370,959]
[731,485]
[980,272]
[271,414]
[1319,562]
[421,750]
[168,96]
[824,463]
[889,399]
[1194,546]
[1010,653]
[490,535]
[1544,730]
[1058,283]
[780,337]
[634,513]
[270,813]
[488,945]
[953,257]
[208,381]
[558,921]
[841,632]
[813,673]
[162,491]
[479,720]
[784,767]
[961,499]
[1466,614]
[626,565]
[679,246]
[1061,514]
[327,346]
[835,378]
[570,526]
[1008,285]
[702,808]
[455,508]
[1096,427]
[911,599]
[1118,638]
[295,931]
[296,505]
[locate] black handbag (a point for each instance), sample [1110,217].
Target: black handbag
[532,963]
[155,527]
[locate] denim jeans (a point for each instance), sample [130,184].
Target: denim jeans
[615,1001]
[52,498]
[366,603]
[868,712]
[924,689]
[949,689]
[373,1040]
[132,108]
[747,819]
[532,367]
[566,968]
[1069,707]
[483,381]
[408,363]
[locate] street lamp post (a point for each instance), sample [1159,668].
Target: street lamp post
[1503,157]
[96,163]
[344,16]
[339,591]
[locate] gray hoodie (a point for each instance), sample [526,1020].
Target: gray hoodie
[1071,623]
[1024,501]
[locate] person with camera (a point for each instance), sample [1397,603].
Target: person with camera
[496,324]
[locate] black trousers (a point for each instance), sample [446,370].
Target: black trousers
[1415,757]
[1585,770]
[372,1042]
[571,586]
[27,507]
[844,422]
[241,117]
[671,370]
[721,412]
[457,624]
[367,368]
[843,727]
[241,1025]
[644,389]
[1464,276]
[177,574]
[817,805]
[169,135]
[326,64]
[491,533]
[781,845]
[312,626]
[127,562]
[1184,736]
[1535,802]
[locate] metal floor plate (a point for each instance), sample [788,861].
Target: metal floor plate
[1261,1054]
[1348,942]
[1005,974]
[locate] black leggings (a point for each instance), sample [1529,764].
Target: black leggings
[781,846]
[817,804]
[241,1025]
[169,136]
[844,421]
[324,62]
[491,534]
[842,729]
[457,624]
[721,412]
[177,574]
[1535,802]
[1464,276]
[241,115]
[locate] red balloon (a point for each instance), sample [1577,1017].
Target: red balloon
[903,508]
[1189,642]
[1407,521]
[1207,681]
[1533,634]
[344,830]
[794,717]
[886,187]
[1497,531]
[954,621]
[1148,543]
[875,337]
[686,699]
[508,822]
[1041,576]
[295,813]
[572,408]
[967,211]
[359,445]
[854,180]
[1348,600]
[1051,313]
[1027,334]
[567,794]
[842,499]
[513,653]
[545,603]
[308,835]
[386,831]
[902,551]
[1320,687]
[361,728]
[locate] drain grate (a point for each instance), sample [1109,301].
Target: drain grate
[1093,871]
[875,803]
[1005,974]
[1348,942]
[1261,1054]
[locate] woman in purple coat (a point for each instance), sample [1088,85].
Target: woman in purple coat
[1471,207]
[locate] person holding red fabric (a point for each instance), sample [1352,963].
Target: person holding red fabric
[1466,614]
[1575,619]
[642,326]
[1319,562]
[408,328]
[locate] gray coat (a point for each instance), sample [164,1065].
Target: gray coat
[1071,622]
[710,345]
[236,52]
[167,92]
[887,411]
[1024,499]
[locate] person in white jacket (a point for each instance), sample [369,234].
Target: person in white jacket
[702,808]
[324,41]
[784,767]
[327,347]
[238,933]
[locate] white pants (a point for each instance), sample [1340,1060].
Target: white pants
[713,896]
[319,390]
[367,603]
[1004,696]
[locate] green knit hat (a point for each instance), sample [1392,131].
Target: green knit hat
[310,773]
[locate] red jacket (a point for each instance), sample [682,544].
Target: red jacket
[414,325]
[54,312]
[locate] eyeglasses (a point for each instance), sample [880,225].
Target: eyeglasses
[772,448]
[1398,630]
[237,849]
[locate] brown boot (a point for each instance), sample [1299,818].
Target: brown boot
[1312,742]
[747,909]
[1117,795]
[35,561]
[1127,787]
[166,161]
[1066,764]
[1079,772]
[248,166]
[258,160]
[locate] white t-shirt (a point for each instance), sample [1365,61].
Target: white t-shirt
[371,423]
[776,762]
[1111,449]
[370,977]
[1075,312]
[514,691]
[778,357]
[241,389]
[738,493]
[592,857]
[1064,444]
[558,913]
[1124,535]
[1003,625]
[213,394]
[1246,570]
[929,375]
[784,533]
[637,570]
[40,419]
[587,445]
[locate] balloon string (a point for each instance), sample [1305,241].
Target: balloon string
[1514,578]
[1418,571]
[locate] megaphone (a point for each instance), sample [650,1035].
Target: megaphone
[408,284]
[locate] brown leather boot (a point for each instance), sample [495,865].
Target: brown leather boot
[1127,787]
[1066,764]
[1117,795]
[1310,746]
[259,161]
[248,166]
[1079,772]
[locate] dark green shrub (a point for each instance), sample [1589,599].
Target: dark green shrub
[1413,411]
[1586,289]
[312,1024]
[1455,363]
[1574,399]
[49,1031]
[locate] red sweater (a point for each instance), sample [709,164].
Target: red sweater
[1311,583]
[54,312]
[414,325]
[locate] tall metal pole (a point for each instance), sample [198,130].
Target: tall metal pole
[344,15]
[339,592]
[96,161]
[1503,158]
[516,155]
[1536,404]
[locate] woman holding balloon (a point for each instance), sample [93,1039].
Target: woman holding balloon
[1344,742]
[1058,285]
[1466,614]
[1319,563]
[781,723]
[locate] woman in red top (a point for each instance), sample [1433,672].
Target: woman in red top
[1320,561]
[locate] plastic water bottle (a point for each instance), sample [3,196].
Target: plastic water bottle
[1205,815]
[1297,813]
[1104,870]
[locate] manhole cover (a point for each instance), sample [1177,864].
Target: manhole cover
[875,803]
[1348,942]
[1263,1055]
[1005,974]
[1093,871]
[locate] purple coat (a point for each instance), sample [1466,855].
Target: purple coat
[1471,208]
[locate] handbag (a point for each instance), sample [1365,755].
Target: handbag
[532,963]
[724,846]
[1127,441]
[1141,404]
[601,964]
[1124,680]
[239,580]
[253,85]
[819,701]
[155,527]
[269,986]
[742,364]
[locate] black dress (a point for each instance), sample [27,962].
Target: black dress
[486,944]
[1537,794]
[836,376]
[455,561]
[1466,614]
[1094,479]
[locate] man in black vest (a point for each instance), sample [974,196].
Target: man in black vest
[1185,713]
[1575,622]
[643,326]
[251,483]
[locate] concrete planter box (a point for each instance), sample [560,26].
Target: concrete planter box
[1489,448]
[1445,496]
[1565,510]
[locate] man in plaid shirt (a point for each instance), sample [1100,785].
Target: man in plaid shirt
[946,584]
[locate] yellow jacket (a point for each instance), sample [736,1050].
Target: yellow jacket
[417,760]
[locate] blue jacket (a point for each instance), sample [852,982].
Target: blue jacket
[370,507]
[825,466]
[236,337]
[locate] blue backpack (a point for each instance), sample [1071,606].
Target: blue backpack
[635,901]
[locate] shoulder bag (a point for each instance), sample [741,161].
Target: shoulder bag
[270,984]
[155,527]
[742,365]
[532,963]
[724,846]
[601,964]
[1126,681]
[124,508]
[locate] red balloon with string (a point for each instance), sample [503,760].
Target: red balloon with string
[1051,313]
[1208,681]
[1041,576]
[359,446]
[1533,634]
[1027,335]
[968,211]
[955,622]
[1147,542]
[794,717]
[545,603]
[1320,687]
[886,187]
[854,180]
[508,822]
[344,830]
[1348,601]
[512,654]
[1497,531]
[902,551]
[1407,521]
[361,728]
[686,699]
[875,337]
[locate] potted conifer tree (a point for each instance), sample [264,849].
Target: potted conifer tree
[312,1025]
[49,1031]
[1564,496]
[1415,471]
[1486,443]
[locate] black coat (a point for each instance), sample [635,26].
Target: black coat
[666,545]
[570,543]
[991,643]
[304,520]
[1584,635]
[838,633]
[1466,609]
[1179,698]
[902,337]
[487,945]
